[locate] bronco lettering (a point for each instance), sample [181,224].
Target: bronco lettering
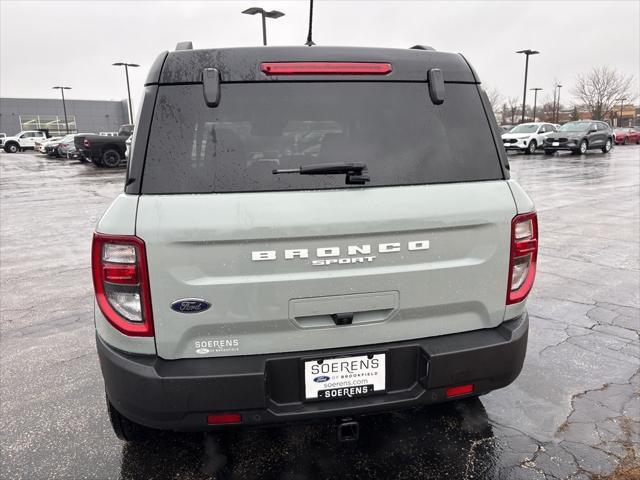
[333,252]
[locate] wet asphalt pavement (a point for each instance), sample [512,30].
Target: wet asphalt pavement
[574,412]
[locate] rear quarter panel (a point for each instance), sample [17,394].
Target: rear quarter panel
[120,219]
[524,204]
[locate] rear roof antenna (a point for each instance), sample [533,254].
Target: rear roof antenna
[309,41]
[422,47]
[184,46]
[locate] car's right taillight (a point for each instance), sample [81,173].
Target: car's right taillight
[121,283]
[523,258]
[86,143]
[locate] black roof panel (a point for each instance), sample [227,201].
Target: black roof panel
[243,64]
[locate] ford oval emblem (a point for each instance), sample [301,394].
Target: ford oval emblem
[321,379]
[190,305]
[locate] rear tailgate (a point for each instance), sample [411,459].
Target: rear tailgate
[435,266]
[422,249]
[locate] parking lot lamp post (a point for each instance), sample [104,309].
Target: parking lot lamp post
[64,106]
[272,14]
[526,72]
[621,105]
[126,71]
[535,101]
[558,106]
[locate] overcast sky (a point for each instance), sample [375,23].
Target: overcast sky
[47,43]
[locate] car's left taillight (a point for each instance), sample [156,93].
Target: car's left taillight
[121,283]
[524,256]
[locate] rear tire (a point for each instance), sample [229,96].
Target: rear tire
[111,158]
[125,429]
[531,148]
[607,146]
[11,147]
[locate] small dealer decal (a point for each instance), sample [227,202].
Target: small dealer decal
[216,345]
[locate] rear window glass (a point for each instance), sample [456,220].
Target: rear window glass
[391,127]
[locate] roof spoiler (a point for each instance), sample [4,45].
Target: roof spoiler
[184,46]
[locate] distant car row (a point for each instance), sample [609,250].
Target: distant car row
[576,137]
[59,146]
[104,150]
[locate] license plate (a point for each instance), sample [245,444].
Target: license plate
[555,144]
[344,377]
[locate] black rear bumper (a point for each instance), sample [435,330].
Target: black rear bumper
[265,389]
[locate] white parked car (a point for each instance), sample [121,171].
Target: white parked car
[527,137]
[25,140]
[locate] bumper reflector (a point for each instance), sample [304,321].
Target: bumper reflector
[224,418]
[459,390]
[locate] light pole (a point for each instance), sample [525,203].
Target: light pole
[272,14]
[526,72]
[126,71]
[64,106]
[558,106]
[621,105]
[535,100]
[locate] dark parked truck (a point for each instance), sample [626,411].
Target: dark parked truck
[104,150]
[310,232]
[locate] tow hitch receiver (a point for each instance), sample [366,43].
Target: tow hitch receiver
[348,430]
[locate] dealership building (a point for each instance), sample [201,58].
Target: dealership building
[83,116]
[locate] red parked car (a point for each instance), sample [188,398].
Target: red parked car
[624,136]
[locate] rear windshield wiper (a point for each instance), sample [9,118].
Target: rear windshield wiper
[355,172]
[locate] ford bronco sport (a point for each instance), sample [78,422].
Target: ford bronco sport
[310,232]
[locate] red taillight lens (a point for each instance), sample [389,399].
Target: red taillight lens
[524,255]
[121,283]
[224,418]
[459,390]
[86,143]
[325,68]
[123,274]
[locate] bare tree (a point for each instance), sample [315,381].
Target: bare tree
[495,98]
[548,109]
[575,114]
[601,88]
[513,103]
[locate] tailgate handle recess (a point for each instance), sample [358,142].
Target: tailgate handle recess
[342,318]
